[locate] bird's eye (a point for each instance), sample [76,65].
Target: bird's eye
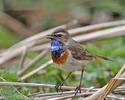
[59,35]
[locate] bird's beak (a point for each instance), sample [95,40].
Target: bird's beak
[52,36]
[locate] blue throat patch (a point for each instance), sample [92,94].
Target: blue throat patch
[57,48]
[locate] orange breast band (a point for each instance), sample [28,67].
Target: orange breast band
[62,59]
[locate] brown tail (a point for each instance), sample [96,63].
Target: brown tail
[101,58]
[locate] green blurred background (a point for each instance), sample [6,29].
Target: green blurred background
[30,17]
[39,15]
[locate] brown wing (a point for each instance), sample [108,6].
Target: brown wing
[78,52]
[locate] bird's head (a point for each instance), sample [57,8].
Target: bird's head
[60,34]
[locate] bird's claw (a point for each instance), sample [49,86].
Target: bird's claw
[58,86]
[78,89]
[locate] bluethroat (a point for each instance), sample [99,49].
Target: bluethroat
[69,55]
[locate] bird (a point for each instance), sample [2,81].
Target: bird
[69,55]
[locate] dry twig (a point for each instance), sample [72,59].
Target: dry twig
[97,94]
[36,70]
[65,96]
[58,96]
[103,34]
[31,41]
[42,85]
[34,61]
[22,59]
[111,84]
[14,88]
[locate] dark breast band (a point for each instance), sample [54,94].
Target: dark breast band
[62,59]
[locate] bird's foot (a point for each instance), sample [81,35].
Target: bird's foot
[78,89]
[58,87]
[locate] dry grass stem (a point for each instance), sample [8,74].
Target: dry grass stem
[97,94]
[123,79]
[119,90]
[18,48]
[14,88]
[42,85]
[1,98]
[40,47]
[64,96]
[107,33]
[31,41]
[59,95]
[50,94]
[22,59]
[113,32]
[55,96]
[96,27]
[111,84]
[36,70]
[34,61]
[77,30]
[114,98]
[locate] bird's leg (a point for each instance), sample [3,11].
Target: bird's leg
[78,88]
[61,84]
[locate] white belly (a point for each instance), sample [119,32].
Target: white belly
[73,64]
